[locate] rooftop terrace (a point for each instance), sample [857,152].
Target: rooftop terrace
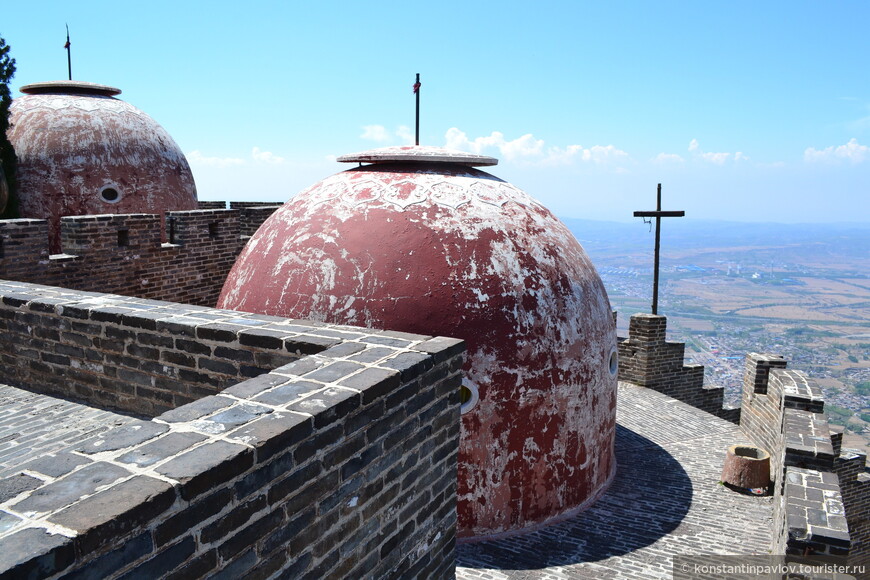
[665,500]
[266,446]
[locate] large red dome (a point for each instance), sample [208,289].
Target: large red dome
[82,151]
[421,242]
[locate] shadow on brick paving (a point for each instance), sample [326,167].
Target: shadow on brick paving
[649,496]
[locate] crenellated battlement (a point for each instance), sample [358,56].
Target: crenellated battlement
[23,239]
[821,490]
[126,253]
[88,235]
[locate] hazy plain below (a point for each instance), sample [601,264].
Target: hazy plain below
[801,291]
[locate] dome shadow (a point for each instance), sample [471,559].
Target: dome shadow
[648,498]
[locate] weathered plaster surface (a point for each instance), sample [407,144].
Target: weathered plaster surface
[450,250]
[71,146]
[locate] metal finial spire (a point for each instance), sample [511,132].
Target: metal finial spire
[417,129]
[68,57]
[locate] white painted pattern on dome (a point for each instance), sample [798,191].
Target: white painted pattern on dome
[328,192]
[404,193]
[487,193]
[450,194]
[138,125]
[353,189]
[363,192]
[88,103]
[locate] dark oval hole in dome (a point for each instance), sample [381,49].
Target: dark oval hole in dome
[110,194]
[613,364]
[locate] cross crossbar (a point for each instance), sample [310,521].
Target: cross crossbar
[659,214]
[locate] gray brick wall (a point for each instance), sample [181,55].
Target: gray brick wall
[184,256]
[851,469]
[339,463]
[136,355]
[821,492]
[647,359]
[760,413]
[253,214]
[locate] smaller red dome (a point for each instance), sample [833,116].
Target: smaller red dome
[82,151]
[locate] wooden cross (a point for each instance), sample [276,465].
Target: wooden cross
[658,214]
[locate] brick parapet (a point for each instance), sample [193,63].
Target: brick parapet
[647,359]
[758,367]
[648,328]
[810,515]
[125,253]
[252,215]
[851,468]
[836,438]
[136,355]
[338,464]
[95,235]
[24,244]
[806,441]
[821,505]
[761,405]
[211,204]
[799,391]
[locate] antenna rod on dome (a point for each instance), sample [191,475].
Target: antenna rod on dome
[68,57]
[417,92]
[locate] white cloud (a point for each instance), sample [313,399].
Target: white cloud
[266,156]
[375,133]
[527,147]
[852,151]
[566,156]
[405,135]
[662,158]
[197,158]
[603,154]
[381,134]
[715,158]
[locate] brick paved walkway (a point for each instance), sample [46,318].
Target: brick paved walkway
[664,500]
[35,427]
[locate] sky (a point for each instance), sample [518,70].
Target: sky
[743,111]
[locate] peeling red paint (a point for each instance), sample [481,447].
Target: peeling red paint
[445,249]
[74,139]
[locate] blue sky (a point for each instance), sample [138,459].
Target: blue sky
[748,111]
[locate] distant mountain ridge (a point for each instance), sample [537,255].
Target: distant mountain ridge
[601,237]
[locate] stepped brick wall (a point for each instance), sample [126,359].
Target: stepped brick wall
[647,359]
[338,463]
